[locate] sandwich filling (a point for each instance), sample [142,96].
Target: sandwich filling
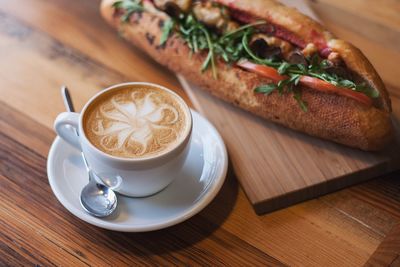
[255,45]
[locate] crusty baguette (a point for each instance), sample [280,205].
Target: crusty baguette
[329,116]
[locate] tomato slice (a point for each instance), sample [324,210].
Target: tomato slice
[323,86]
[310,82]
[262,70]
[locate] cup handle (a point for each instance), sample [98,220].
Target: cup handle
[66,126]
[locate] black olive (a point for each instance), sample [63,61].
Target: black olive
[172,9]
[258,46]
[263,50]
[296,57]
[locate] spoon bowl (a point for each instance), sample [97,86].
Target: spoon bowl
[98,200]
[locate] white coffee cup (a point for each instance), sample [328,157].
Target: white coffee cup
[135,177]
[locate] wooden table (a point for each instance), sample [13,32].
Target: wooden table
[44,44]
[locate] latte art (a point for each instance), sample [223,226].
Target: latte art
[135,123]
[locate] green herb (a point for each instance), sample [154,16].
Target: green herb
[368,90]
[295,78]
[166,31]
[303,105]
[210,56]
[285,86]
[230,46]
[283,68]
[198,38]
[266,89]
[130,7]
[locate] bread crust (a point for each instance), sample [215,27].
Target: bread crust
[330,117]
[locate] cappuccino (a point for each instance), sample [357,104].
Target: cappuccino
[136,121]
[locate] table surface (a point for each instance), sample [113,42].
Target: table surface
[44,44]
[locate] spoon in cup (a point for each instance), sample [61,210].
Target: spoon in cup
[96,199]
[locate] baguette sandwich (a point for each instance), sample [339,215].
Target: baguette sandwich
[266,58]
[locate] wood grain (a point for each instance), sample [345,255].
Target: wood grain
[91,35]
[388,252]
[366,13]
[340,229]
[23,179]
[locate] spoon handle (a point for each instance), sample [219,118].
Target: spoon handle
[69,106]
[67,99]
[86,164]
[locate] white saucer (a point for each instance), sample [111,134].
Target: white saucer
[196,185]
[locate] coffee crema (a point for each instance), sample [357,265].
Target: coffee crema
[135,121]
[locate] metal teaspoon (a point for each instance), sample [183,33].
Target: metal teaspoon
[96,199]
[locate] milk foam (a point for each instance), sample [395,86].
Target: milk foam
[135,124]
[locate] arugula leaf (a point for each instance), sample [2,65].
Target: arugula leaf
[210,50]
[302,68]
[130,7]
[303,105]
[346,83]
[282,85]
[166,31]
[206,62]
[295,78]
[368,90]
[283,68]
[266,88]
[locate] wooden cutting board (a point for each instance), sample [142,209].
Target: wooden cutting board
[278,167]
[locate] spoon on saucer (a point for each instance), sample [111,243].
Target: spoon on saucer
[96,199]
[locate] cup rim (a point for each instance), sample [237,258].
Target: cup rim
[184,139]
